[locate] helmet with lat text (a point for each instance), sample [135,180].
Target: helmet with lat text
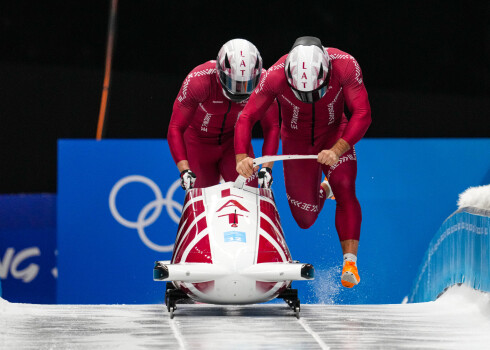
[308,68]
[239,66]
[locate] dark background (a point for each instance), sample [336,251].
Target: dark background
[426,65]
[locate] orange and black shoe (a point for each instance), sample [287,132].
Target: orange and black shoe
[326,186]
[350,276]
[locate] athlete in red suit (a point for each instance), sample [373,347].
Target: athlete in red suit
[312,83]
[212,96]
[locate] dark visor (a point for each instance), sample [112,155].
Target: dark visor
[238,87]
[235,97]
[310,96]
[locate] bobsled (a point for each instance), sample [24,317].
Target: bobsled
[230,249]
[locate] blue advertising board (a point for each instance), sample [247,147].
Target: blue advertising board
[118,209]
[119,203]
[28,248]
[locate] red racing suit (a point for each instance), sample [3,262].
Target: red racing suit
[202,127]
[310,128]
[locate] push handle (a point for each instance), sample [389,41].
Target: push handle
[267,159]
[240,180]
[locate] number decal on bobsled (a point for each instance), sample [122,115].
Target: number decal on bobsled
[235,236]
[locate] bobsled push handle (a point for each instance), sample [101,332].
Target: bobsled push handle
[267,159]
[240,180]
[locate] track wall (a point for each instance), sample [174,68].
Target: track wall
[459,253]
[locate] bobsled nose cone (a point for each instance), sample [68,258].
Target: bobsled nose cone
[308,271]
[160,271]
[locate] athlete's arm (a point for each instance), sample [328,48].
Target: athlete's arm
[332,155]
[270,129]
[253,111]
[192,92]
[180,120]
[259,102]
[357,101]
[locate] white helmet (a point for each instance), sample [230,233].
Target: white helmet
[307,69]
[239,66]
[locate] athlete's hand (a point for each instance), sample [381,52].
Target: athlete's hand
[245,167]
[187,179]
[265,177]
[328,157]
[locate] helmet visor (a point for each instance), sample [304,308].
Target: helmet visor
[310,96]
[238,87]
[235,97]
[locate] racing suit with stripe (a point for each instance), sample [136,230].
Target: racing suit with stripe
[202,127]
[310,128]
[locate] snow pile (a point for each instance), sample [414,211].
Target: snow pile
[477,197]
[468,299]
[10,309]
[3,305]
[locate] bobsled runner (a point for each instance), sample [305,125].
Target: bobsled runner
[230,249]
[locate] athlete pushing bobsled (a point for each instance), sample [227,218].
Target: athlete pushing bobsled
[311,84]
[201,129]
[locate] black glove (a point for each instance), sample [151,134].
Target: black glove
[187,179]
[265,177]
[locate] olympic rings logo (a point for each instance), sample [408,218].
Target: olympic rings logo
[173,209]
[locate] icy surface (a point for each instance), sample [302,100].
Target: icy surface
[460,319]
[477,197]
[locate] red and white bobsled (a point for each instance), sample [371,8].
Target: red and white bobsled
[230,249]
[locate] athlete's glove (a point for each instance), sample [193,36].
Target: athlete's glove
[265,177]
[187,179]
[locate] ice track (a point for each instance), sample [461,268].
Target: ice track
[458,321]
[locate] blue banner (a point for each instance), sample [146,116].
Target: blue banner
[119,203]
[28,248]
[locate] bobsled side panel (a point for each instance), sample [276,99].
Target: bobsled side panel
[271,223]
[194,237]
[194,210]
[204,287]
[272,288]
[199,252]
[269,210]
[264,287]
[269,252]
[270,230]
[200,292]
[192,223]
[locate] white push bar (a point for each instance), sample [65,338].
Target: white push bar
[240,180]
[267,159]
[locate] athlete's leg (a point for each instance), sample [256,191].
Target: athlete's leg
[348,216]
[203,161]
[302,179]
